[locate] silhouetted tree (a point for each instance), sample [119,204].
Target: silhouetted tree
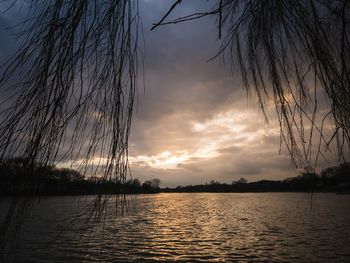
[70,175]
[155,183]
[135,182]
[242,181]
[147,184]
[336,175]
[213,182]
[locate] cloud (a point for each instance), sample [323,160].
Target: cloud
[228,145]
[194,122]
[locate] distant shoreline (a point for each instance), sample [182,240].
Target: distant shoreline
[45,180]
[172,192]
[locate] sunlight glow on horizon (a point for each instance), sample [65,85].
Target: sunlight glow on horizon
[224,130]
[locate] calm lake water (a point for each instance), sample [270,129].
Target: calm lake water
[280,227]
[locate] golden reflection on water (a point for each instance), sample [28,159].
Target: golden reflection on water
[200,227]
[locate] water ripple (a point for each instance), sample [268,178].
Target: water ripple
[194,228]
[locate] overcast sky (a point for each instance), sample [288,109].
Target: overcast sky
[193,122]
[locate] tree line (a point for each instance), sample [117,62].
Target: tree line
[331,179]
[50,180]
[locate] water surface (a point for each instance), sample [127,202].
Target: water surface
[193,227]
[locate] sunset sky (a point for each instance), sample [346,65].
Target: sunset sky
[193,121]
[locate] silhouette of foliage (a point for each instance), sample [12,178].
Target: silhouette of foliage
[155,183]
[290,53]
[73,83]
[332,179]
[75,69]
[49,180]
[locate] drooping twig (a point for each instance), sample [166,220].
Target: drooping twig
[290,53]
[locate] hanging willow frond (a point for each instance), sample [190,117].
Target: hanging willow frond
[73,81]
[289,52]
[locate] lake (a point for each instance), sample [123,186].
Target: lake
[187,227]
